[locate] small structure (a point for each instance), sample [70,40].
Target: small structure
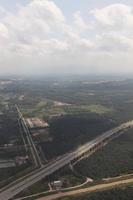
[57,185]
[36,123]
[21,160]
[38,128]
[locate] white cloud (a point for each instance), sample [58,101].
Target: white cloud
[116,16]
[114,42]
[3,31]
[2,11]
[79,22]
[39,35]
[38,17]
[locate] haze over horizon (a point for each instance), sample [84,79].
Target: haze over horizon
[71,37]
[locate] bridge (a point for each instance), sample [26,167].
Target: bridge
[17,186]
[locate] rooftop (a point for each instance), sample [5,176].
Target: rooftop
[36,123]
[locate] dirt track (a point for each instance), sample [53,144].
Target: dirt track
[99,187]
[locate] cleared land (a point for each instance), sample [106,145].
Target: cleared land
[96,188]
[48,109]
[76,113]
[116,194]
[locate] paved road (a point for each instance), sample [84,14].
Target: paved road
[51,167]
[96,188]
[88,180]
[30,141]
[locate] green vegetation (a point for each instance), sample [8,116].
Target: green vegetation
[98,109]
[39,187]
[67,177]
[71,131]
[11,146]
[73,109]
[47,108]
[77,113]
[115,194]
[9,174]
[112,99]
[9,129]
[112,160]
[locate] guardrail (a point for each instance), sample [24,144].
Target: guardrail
[60,163]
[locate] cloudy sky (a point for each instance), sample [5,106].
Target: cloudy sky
[66,36]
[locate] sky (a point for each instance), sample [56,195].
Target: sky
[66,36]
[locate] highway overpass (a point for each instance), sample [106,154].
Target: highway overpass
[18,186]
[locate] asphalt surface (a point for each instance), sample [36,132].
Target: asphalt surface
[32,146]
[50,168]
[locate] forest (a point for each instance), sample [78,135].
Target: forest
[86,109]
[113,160]
[71,131]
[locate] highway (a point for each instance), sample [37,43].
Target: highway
[53,166]
[31,144]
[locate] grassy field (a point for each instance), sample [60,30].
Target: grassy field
[47,108]
[99,109]
[113,99]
